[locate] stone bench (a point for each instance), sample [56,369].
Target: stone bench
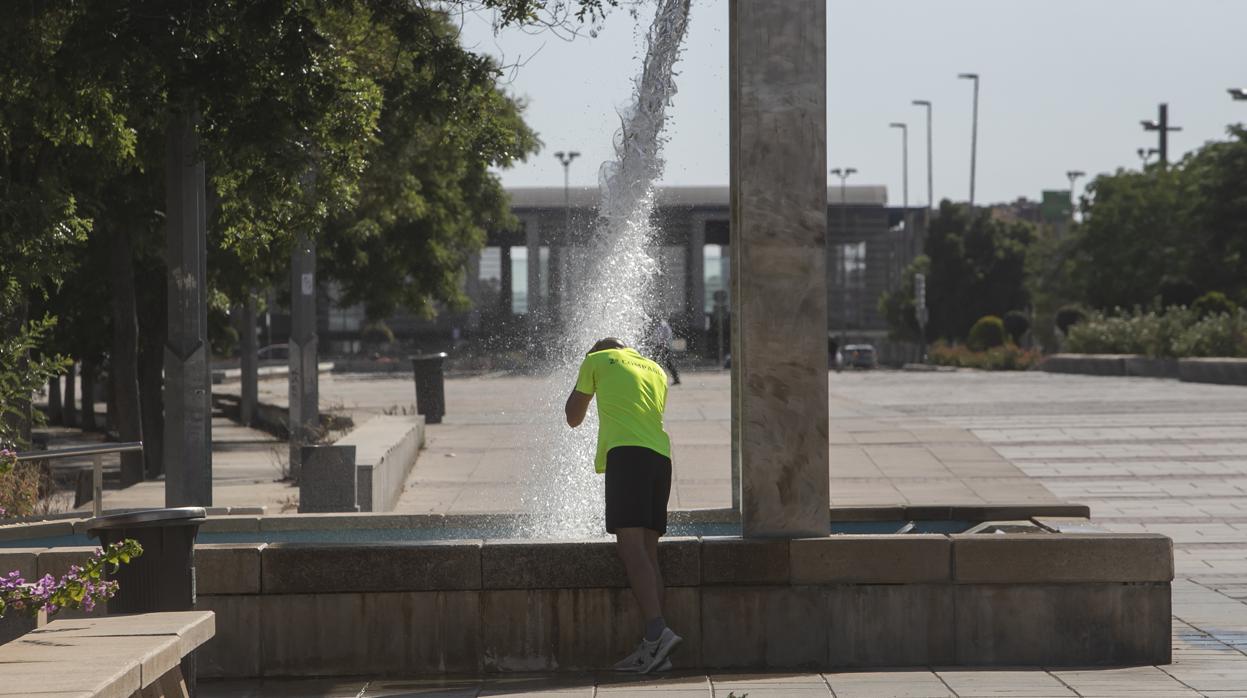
[136,656]
[364,471]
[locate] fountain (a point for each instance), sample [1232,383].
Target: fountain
[385,595]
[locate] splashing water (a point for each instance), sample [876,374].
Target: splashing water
[612,294]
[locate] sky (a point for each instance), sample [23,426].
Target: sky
[1064,85]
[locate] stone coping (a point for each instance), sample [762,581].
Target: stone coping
[106,656]
[252,519]
[306,568]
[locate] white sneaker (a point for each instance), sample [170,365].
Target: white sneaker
[643,657]
[659,649]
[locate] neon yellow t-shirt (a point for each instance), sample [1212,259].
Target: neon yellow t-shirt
[631,392]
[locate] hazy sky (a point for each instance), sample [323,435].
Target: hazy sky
[1064,86]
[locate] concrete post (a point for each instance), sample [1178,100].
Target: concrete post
[532,241]
[779,234]
[472,287]
[247,365]
[695,299]
[304,416]
[505,309]
[188,406]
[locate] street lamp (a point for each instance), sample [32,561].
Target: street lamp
[1146,154]
[1238,94]
[566,160]
[974,131]
[1073,175]
[843,174]
[904,166]
[1161,125]
[930,180]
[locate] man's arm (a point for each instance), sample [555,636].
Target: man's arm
[576,408]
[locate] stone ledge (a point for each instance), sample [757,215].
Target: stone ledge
[1225,371]
[744,561]
[226,568]
[1061,558]
[910,559]
[292,568]
[24,531]
[523,564]
[1087,364]
[23,560]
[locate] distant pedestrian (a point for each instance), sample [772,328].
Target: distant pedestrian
[663,338]
[634,451]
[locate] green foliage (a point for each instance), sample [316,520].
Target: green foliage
[377,333]
[1213,303]
[1174,232]
[21,376]
[1173,332]
[897,307]
[1016,324]
[977,268]
[81,588]
[987,332]
[1067,316]
[1008,357]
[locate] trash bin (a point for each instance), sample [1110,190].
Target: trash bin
[430,386]
[163,577]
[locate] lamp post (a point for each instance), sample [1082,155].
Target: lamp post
[843,174]
[1073,176]
[904,164]
[1162,127]
[974,131]
[1146,154]
[930,180]
[1238,94]
[556,296]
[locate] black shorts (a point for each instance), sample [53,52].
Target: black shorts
[638,485]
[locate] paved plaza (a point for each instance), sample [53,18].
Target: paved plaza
[1144,454]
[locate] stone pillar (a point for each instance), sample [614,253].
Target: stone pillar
[532,240]
[304,417]
[504,283]
[247,364]
[695,286]
[779,288]
[188,400]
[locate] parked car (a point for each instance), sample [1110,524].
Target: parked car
[860,356]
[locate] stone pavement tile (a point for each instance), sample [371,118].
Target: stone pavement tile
[897,683]
[539,685]
[1116,682]
[990,683]
[741,683]
[893,436]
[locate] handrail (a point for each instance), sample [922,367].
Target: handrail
[97,451]
[91,450]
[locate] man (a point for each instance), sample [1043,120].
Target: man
[635,453]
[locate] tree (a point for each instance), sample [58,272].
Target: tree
[976,268]
[427,195]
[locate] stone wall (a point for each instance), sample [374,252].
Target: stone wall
[840,601]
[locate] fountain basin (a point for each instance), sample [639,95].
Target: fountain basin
[471,605]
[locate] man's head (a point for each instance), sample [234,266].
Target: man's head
[608,343]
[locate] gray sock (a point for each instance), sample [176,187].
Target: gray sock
[654,627]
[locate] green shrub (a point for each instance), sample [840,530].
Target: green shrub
[1067,316]
[1213,303]
[1016,324]
[1008,357]
[988,332]
[1224,334]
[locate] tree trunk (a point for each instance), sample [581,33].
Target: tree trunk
[70,408]
[87,416]
[125,360]
[56,414]
[152,323]
[247,360]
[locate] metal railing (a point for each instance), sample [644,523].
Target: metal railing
[97,468]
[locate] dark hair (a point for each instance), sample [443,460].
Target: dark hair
[608,343]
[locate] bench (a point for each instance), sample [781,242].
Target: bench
[135,656]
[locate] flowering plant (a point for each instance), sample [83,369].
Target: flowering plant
[82,587]
[8,459]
